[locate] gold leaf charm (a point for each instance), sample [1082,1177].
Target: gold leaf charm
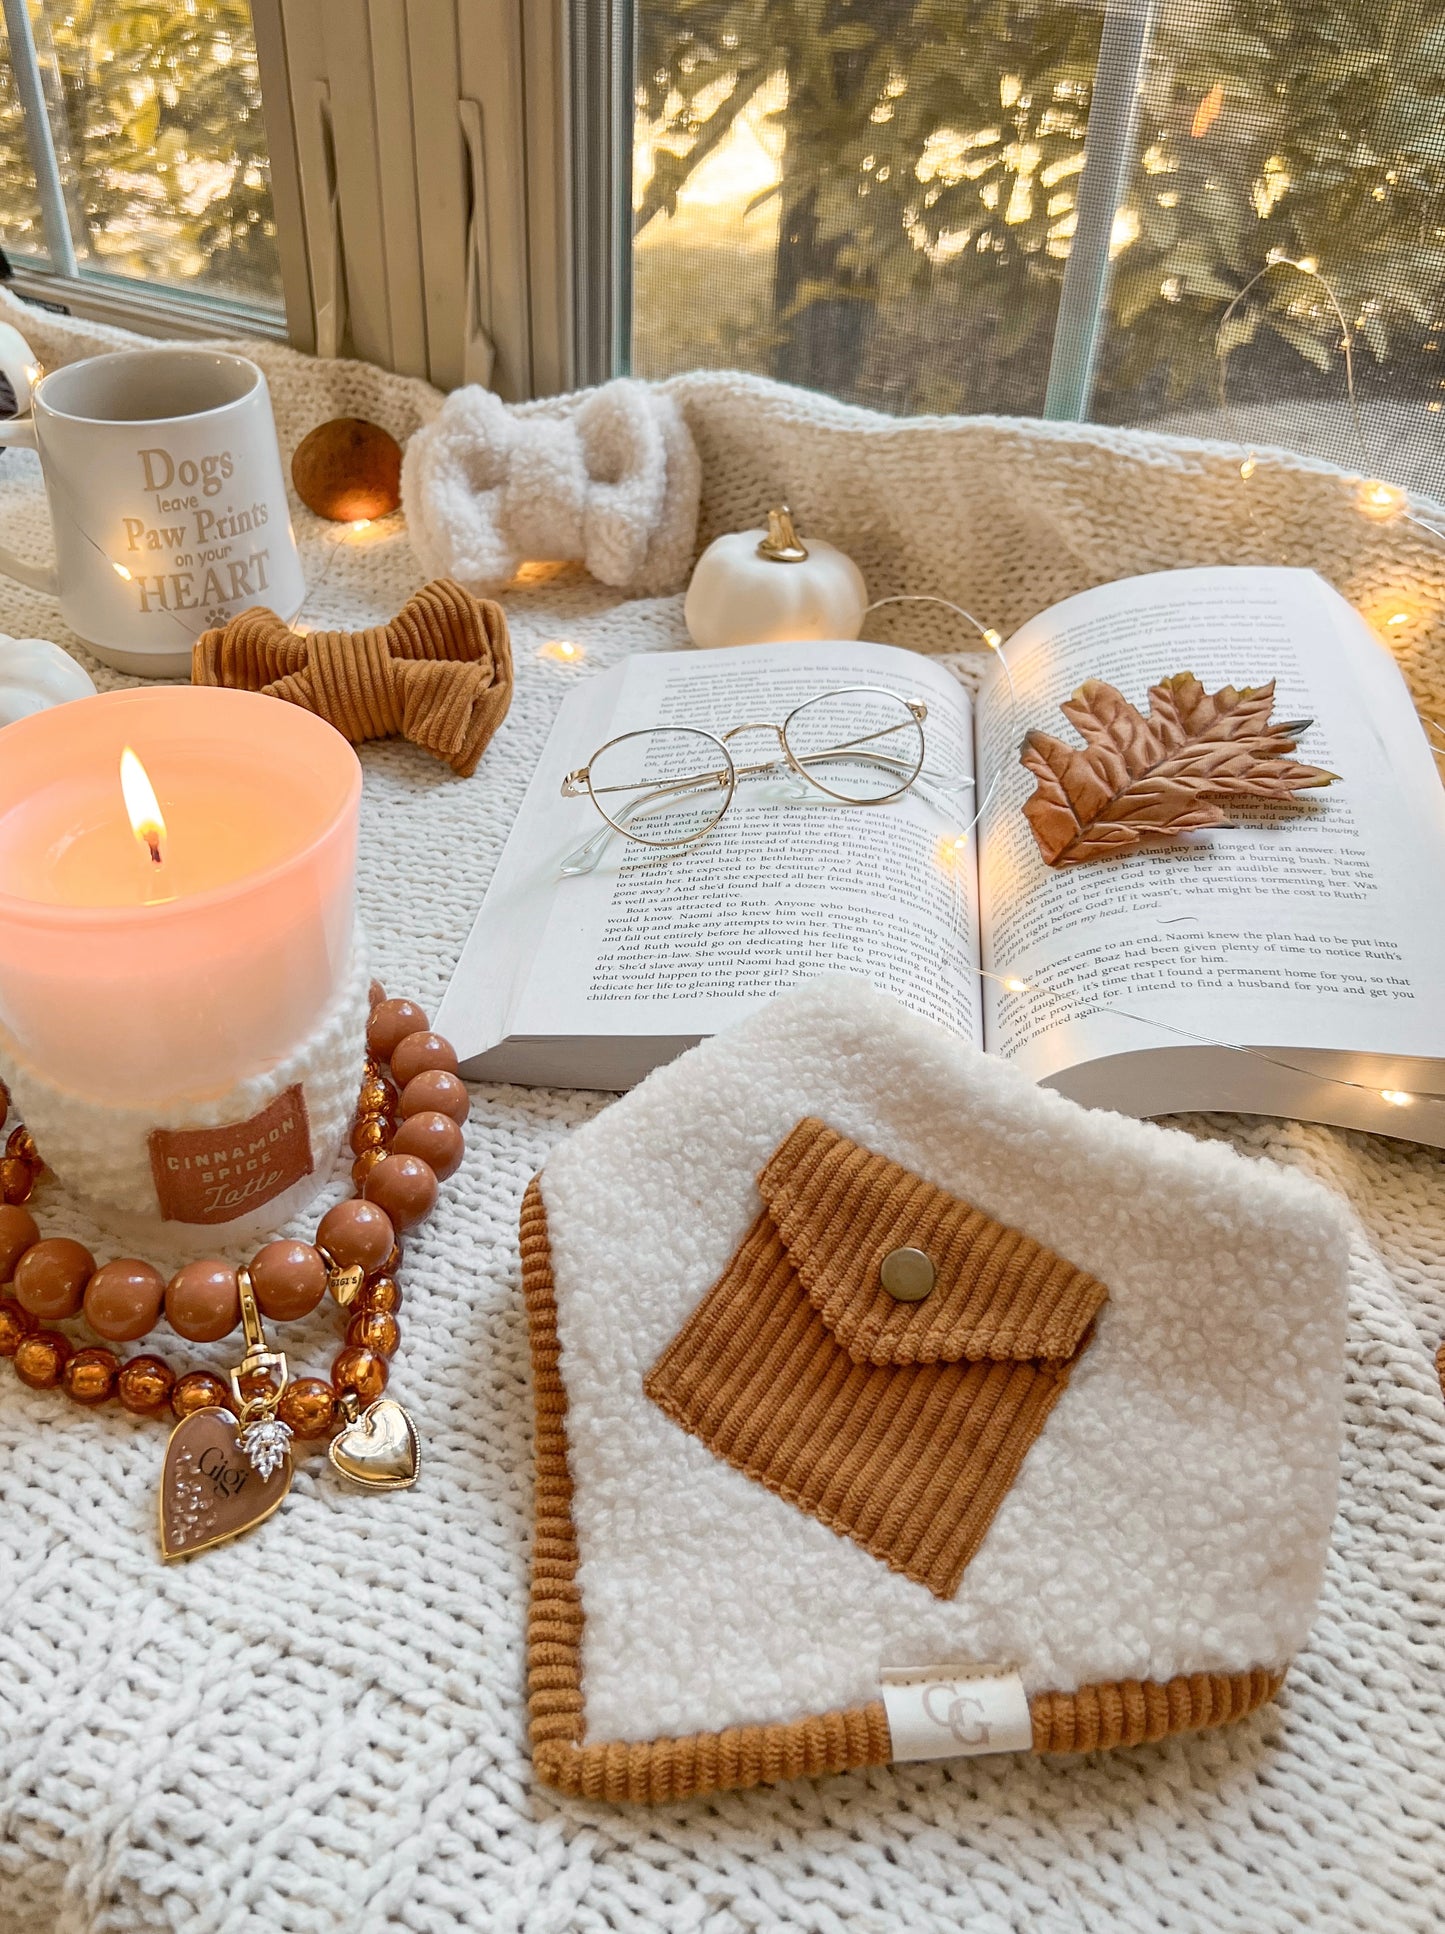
[378,1450]
[210,1489]
[345,1284]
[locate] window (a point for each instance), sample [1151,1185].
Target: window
[133,150]
[1046,208]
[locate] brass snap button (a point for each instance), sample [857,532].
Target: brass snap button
[907,1274]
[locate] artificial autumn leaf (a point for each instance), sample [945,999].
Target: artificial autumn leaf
[1139,778]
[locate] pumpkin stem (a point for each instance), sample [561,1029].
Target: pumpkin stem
[782,543]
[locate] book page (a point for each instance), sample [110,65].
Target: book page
[787,886]
[1314,925]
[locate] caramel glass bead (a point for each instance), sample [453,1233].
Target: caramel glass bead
[435,1089]
[375,1331]
[405,1187]
[375,994]
[18,1232]
[89,1376]
[371,1131]
[356,1232]
[203,1301]
[390,1022]
[422,1053]
[289,1279]
[40,1359]
[383,1296]
[15,1325]
[433,1138]
[123,1299]
[51,1276]
[17,1180]
[362,1371]
[144,1385]
[308,1406]
[197,1390]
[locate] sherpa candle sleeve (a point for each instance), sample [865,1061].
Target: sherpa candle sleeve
[1079,1461]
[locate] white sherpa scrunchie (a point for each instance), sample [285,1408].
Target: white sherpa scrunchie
[610,476]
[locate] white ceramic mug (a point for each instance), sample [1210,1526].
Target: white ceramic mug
[167,500]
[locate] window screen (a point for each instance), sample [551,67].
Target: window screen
[1047,209]
[132,145]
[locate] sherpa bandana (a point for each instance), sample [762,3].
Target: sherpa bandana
[891,1407]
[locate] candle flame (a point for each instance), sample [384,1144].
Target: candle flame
[141,804]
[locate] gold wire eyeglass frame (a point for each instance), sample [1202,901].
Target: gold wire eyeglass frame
[727,772]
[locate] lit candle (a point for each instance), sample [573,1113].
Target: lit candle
[177,884]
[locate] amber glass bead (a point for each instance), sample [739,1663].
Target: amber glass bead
[405,1187]
[203,1301]
[123,1299]
[21,1144]
[289,1279]
[144,1384]
[362,1371]
[51,1276]
[390,1022]
[370,1132]
[356,1232]
[18,1232]
[89,1376]
[372,1330]
[15,1325]
[363,1165]
[422,1053]
[433,1138]
[40,1359]
[17,1179]
[377,1097]
[375,994]
[308,1406]
[198,1389]
[383,1296]
[435,1089]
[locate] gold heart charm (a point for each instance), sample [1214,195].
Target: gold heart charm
[345,1284]
[210,1491]
[379,1450]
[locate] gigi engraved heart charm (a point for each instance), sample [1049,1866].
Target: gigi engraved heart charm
[210,1489]
[378,1449]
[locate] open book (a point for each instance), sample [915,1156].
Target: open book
[1311,933]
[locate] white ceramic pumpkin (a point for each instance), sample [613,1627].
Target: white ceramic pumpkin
[34,675]
[761,587]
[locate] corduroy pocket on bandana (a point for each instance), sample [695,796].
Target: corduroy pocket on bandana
[898,1417]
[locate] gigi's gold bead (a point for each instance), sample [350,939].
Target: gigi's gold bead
[383,1296]
[40,1359]
[21,1144]
[362,1371]
[308,1406]
[198,1390]
[89,1376]
[365,1162]
[376,1098]
[15,1325]
[144,1384]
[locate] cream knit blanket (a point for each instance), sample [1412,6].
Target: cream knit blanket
[320,1729]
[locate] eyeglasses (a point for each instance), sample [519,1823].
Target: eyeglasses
[669,786]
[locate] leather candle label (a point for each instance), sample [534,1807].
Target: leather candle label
[211,1175]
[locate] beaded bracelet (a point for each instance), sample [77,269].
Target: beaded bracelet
[228,1464]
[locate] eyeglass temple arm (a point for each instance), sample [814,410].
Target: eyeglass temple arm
[586,856]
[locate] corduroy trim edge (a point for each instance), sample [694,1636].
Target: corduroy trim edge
[1126,1712]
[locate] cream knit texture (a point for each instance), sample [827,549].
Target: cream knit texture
[321,1729]
[101,1151]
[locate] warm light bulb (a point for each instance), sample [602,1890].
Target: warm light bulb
[1307,265]
[561,651]
[1013,985]
[141,805]
[1398,618]
[1380,500]
[362,524]
[1396,1097]
[992,637]
[1248,468]
[121,572]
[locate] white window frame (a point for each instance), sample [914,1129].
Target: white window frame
[451,186]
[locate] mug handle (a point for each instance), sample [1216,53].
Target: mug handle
[19,433]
